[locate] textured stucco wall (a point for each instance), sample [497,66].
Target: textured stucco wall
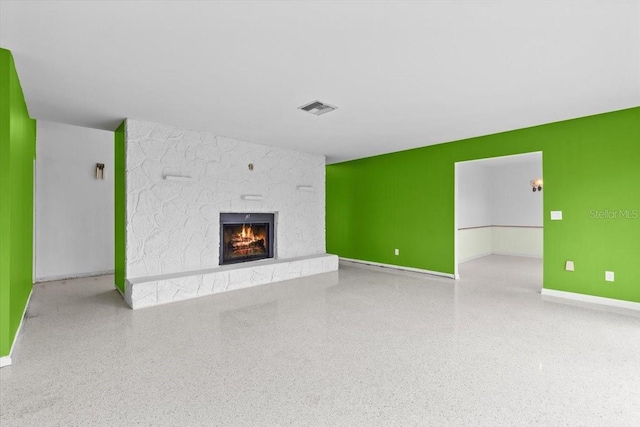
[173,226]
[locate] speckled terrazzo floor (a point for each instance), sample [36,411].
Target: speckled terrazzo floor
[358,347]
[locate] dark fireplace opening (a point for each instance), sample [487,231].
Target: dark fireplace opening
[245,237]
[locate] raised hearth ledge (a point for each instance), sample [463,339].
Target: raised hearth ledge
[155,290]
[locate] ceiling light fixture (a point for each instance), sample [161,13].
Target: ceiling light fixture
[317,108]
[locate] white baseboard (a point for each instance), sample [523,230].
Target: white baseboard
[73,276]
[517,254]
[629,305]
[398,267]
[6,360]
[119,291]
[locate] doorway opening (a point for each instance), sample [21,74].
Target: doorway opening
[499,217]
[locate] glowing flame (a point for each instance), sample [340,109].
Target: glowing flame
[247,232]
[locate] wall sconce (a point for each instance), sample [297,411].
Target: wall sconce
[536,184]
[99,170]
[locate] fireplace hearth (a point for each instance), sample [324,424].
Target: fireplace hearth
[246,237]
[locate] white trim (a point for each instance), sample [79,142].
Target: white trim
[73,276]
[399,267]
[118,289]
[456,233]
[6,360]
[35,231]
[520,254]
[629,305]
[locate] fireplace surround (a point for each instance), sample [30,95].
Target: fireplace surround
[246,237]
[171,236]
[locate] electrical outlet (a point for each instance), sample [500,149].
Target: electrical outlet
[609,276]
[569,266]
[397,251]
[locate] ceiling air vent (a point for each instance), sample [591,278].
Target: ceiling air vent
[317,108]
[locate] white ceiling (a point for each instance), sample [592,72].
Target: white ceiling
[403,74]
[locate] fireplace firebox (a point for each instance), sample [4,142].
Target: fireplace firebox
[246,237]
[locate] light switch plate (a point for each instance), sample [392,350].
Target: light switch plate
[569,266]
[397,251]
[556,215]
[609,276]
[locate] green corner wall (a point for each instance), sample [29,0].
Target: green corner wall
[17,153]
[591,168]
[119,206]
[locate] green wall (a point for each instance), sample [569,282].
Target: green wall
[17,153]
[119,205]
[591,167]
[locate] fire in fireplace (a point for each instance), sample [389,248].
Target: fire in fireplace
[245,237]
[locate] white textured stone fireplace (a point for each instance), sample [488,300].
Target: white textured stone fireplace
[179,182]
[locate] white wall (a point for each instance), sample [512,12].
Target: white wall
[474,243]
[512,201]
[517,241]
[74,211]
[174,227]
[474,207]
